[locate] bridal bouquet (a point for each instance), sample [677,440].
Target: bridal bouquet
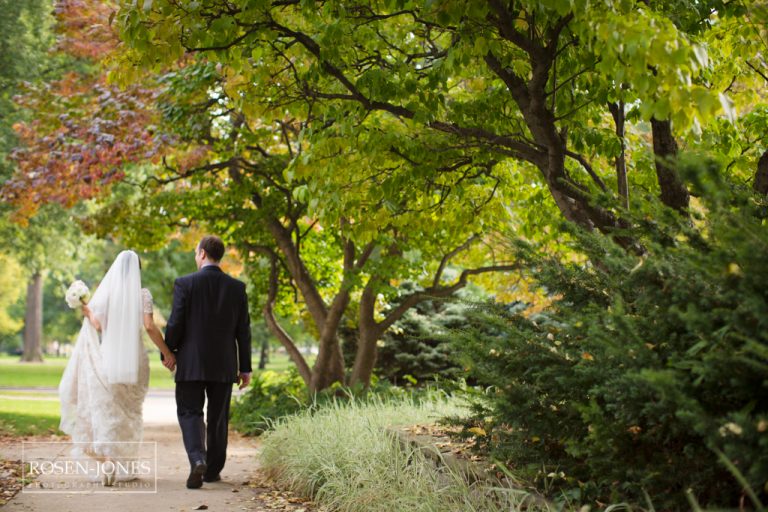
[77,294]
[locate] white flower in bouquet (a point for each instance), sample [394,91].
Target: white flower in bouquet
[77,294]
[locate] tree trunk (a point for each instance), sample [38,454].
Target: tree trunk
[264,355]
[365,358]
[622,187]
[571,208]
[368,335]
[370,330]
[337,370]
[329,366]
[275,327]
[761,177]
[571,198]
[314,302]
[673,191]
[33,320]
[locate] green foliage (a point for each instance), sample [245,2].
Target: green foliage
[449,119]
[61,323]
[25,34]
[415,350]
[53,244]
[11,291]
[271,396]
[274,395]
[644,365]
[159,269]
[436,90]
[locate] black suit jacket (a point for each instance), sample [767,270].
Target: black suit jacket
[209,328]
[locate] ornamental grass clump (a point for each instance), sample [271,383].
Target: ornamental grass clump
[346,458]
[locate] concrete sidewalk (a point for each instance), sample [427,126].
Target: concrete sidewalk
[232,493]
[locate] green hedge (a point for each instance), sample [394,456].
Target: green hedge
[645,368]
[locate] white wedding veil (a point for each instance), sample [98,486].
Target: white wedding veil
[116,303]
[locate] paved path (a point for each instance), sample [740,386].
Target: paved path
[233,493]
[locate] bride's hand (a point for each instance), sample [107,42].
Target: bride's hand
[87,313]
[169,361]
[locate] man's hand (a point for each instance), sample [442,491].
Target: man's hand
[243,379]
[169,360]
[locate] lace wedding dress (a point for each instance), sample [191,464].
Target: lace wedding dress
[100,410]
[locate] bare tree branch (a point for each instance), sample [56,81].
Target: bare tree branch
[441,291]
[447,257]
[583,161]
[271,319]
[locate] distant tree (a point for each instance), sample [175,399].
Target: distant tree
[25,36]
[51,242]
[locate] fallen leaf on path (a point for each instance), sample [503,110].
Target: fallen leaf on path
[10,479]
[269,498]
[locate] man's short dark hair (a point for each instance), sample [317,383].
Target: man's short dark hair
[213,247]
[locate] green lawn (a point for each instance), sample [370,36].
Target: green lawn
[280,362]
[47,374]
[32,416]
[33,413]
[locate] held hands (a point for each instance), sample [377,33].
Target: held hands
[169,361]
[243,379]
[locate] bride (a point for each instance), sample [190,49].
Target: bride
[104,384]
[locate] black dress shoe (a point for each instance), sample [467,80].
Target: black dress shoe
[195,480]
[214,478]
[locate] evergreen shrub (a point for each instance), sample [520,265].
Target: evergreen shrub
[649,372]
[415,350]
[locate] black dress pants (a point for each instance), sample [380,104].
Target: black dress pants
[190,397]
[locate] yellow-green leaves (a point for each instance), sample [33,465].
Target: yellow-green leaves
[655,62]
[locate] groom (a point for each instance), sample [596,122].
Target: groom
[209,329]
